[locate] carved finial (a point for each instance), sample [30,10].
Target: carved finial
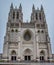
[20,7]
[33,8]
[11,6]
[41,8]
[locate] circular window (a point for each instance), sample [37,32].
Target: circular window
[27,36]
[42,31]
[12,30]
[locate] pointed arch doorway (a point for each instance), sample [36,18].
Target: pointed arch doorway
[27,55]
[42,56]
[27,58]
[13,56]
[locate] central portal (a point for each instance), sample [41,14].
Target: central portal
[27,55]
[13,58]
[41,58]
[27,58]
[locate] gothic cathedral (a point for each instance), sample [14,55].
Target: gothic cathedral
[26,41]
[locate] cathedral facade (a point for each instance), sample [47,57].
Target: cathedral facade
[26,41]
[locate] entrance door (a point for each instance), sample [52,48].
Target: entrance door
[41,58]
[27,58]
[13,58]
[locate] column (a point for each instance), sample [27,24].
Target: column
[34,41]
[49,52]
[19,46]
[37,44]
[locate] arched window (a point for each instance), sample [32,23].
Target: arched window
[38,31]
[13,52]
[42,52]
[12,30]
[17,15]
[27,36]
[13,15]
[36,16]
[42,31]
[40,16]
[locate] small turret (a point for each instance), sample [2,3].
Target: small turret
[20,7]
[33,8]
[41,8]
[11,7]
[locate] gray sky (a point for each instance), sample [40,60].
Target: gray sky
[27,8]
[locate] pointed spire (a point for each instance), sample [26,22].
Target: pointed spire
[41,8]
[20,7]
[11,7]
[33,8]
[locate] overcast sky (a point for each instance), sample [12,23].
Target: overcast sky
[48,6]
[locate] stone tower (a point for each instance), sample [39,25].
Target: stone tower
[26,41]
